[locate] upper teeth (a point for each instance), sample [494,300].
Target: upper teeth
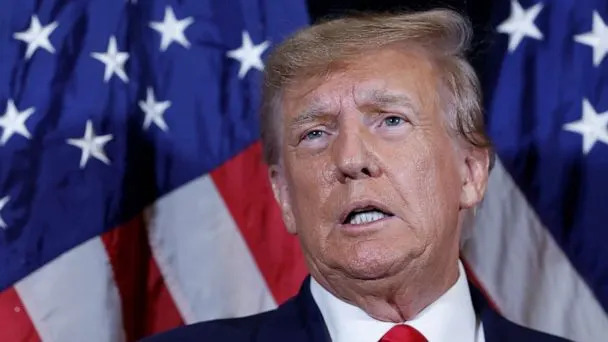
[366,217]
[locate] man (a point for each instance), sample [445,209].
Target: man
[373,131]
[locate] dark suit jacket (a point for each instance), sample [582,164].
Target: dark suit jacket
[299,320]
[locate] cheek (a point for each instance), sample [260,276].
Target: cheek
[308,183]
[428,184]
[310,186]
[441,186]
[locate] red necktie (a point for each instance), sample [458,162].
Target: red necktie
[403,333]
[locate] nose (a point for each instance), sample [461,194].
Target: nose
[353,156]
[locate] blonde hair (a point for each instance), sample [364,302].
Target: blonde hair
[319,49]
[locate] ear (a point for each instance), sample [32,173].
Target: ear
[475,176]
[280,189]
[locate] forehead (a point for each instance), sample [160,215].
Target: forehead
[376,75]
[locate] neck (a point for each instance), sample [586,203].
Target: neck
[396,298]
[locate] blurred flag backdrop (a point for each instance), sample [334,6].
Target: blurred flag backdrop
[132,190]
[133,198]
[538,246]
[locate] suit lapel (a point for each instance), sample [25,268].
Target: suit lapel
[496,328]
[310,314]
[493,327]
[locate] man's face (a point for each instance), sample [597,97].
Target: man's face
[369,178]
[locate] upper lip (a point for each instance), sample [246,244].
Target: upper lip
[362,204]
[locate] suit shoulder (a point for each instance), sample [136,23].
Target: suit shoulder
[241,329]
[498,328]
[231,329]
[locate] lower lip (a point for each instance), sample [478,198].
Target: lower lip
[365,227]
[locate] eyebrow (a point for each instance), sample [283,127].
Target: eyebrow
[315,112]
[382,98]
[318,110]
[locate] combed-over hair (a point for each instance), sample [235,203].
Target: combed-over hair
[444,34]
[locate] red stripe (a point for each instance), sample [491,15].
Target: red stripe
[161,313]
[142,290]
[15,323]
[244,186]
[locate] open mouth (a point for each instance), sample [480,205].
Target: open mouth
[369,214]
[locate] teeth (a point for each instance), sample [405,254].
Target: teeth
[366,217]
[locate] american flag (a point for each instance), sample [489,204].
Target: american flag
[133,198]
[538,245]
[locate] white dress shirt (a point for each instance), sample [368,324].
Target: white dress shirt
[450,318]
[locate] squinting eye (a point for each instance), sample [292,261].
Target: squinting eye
[313,135]
[393,121]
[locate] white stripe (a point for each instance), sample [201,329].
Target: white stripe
[202,256]
[74,297]
[524,270]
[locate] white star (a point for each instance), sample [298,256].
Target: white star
[597,39]
[154,110]
[114,61]
[249,55]
[91,145]
[172,29]
[592,126]
[13,121]
[36,36]
[3,202]
[521,24]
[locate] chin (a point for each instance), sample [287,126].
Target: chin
[371,264]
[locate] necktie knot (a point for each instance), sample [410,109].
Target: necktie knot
[403,333]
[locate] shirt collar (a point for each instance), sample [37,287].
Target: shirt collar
[450,318]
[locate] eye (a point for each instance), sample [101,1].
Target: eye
[312,135]
[393,121]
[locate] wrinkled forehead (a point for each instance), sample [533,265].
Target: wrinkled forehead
[390,76]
